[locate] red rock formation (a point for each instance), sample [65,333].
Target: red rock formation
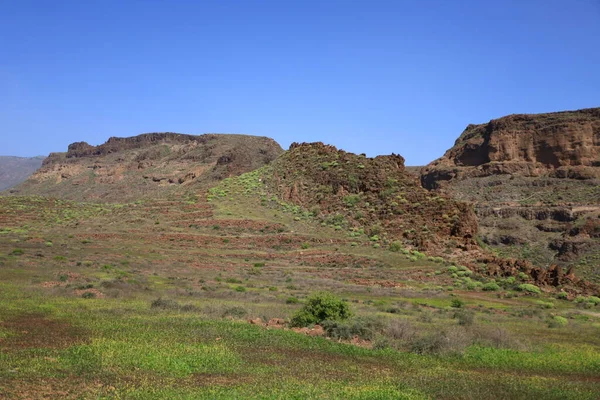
[563,144]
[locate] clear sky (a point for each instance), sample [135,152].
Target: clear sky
[367,76]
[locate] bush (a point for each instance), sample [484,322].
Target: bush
[396,246]
[497,337]
[562,296]
[594,300]
[523,276]
[557,322]
[491,287]
[165,304]
[453,341]
[464,317]
[529,288]
[291,300]
[235,312]
[319,307]
[363,327]
[400,329]
[381,343]
[457,303]
[545,304]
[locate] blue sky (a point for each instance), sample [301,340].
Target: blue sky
[367,76]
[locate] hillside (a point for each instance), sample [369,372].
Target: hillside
[374,195]
[151,165]
[14,170]
[193,289]
[535,183]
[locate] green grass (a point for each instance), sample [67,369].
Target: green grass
[118,346]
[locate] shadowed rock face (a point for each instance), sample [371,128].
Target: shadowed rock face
[151,165]
[563,144]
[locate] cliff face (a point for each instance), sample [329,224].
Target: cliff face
[534,181]
[147,166]
[563,144]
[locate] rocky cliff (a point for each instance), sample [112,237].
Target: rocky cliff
[562,144]
[534,181]
[147,166]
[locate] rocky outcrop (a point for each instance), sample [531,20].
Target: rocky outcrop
[562,144]
[535,184]
[148,166]
[374,195]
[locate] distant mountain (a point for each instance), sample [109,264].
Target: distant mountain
[152,165]
[14,170]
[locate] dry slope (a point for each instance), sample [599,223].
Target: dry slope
[151,165]
[14,170]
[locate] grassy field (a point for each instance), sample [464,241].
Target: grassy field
[151,300]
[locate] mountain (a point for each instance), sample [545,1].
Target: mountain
[534,181]
[147,166]
[14,170]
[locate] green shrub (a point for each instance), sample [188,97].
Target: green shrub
[562,296]
[523,276]
[240,289]
[490,287]
[457,303]
[545,304]
[396,246]
[464,317]
[291,300]
[594,300]
[319,307]
[557,322]
[452,269]
[529,288]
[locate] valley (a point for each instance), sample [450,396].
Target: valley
[175,266]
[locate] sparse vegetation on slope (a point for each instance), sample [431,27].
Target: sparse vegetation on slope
[155,165]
